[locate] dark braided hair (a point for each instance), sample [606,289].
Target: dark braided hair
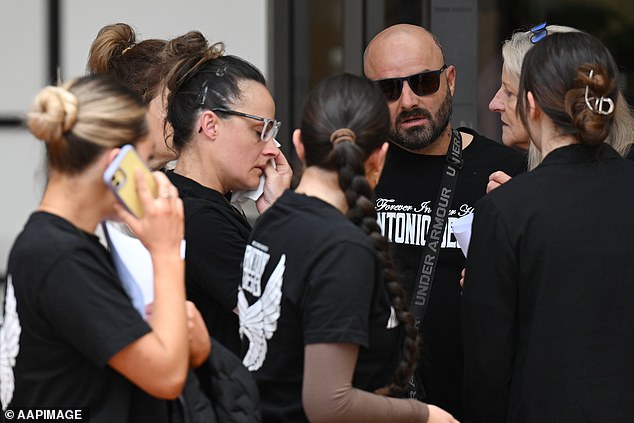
[356,104]
[201,77]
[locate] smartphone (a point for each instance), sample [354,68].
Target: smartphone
[120,177]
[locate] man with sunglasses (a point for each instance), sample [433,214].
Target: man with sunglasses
[408,65]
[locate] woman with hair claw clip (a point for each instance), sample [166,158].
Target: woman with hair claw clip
[504,102]
[547,308]
[322,311]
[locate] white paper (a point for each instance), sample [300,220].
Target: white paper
[254,194]
[133,263]
[461,228]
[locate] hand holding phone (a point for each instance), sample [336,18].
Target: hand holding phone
[120,176]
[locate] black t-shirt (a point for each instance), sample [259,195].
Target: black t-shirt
[405,195]
[74,316]
[332,291]
[216,234]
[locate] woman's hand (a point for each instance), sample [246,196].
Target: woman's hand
[198,336]
[438,415]
[277,180]
[496,179]
[158,361]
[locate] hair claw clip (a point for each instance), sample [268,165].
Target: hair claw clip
[539,32]
[599,103]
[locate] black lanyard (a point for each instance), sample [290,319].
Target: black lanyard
[436,229]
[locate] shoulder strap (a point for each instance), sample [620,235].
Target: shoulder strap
[436,229]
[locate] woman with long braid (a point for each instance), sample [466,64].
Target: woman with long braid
[320,304]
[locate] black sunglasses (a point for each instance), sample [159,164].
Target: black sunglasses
[424,83]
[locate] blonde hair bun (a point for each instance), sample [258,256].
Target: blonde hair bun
[53,114]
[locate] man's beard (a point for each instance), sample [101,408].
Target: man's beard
[420,137]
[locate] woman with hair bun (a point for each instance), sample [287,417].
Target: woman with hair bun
[504,102]
[223,118]
[71,331]
[141,66]
[328,327]
[547,311]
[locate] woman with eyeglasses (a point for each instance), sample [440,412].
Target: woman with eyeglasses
[223,118]
[329,332]
[547,310]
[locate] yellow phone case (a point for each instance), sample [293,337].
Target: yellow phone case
[120,177]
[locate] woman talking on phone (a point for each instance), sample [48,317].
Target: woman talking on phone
[222,116]
[76,339]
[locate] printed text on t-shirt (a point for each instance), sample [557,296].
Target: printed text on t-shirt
[408,224]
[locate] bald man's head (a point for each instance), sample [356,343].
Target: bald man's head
[399,40]
[418,85]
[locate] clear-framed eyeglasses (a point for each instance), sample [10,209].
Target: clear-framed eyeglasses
[270,127]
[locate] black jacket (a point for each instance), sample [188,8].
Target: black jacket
[547,309]
[231,393]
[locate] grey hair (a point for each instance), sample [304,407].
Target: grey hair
[515,48]
[622,132]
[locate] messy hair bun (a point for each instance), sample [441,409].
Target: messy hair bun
[593,126]
[186,54]
[556,70]
[116,52]
[111,41]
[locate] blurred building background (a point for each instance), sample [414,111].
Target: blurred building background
[294,42]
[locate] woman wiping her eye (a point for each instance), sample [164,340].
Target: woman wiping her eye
[223,118]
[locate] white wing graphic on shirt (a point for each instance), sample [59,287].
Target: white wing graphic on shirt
[9,345]
[392,321]
[258,322]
